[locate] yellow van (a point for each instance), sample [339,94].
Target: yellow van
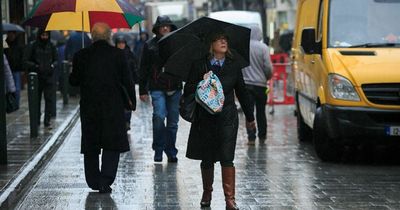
[346,63]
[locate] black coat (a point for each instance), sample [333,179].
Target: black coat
[41,57]
[99,70]
[213,137]
[14,54]
[151,76]
[132,63]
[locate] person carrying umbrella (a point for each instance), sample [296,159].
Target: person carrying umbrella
[213,138]
[165,93]
[101,71]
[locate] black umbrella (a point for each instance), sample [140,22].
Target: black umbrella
[189,43]
[12,27]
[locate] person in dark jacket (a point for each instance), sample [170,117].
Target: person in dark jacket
[100,71]
[74,44]
[143,37]
[165,93]
[212,138]
[121,43]
[41,57]
[14,53]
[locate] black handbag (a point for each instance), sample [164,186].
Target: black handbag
[11,103]
[187,107]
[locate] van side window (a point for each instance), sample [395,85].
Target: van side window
[320,20]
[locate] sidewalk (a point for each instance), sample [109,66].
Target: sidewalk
[142,184]
[25,154]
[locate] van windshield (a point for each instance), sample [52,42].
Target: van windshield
[364,23]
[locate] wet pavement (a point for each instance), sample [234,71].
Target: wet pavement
[21,149]
[282,174]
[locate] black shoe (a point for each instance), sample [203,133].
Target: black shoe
[262,139]
[105,189]
[172,160]
[158,157]
[48,125]
[251,142]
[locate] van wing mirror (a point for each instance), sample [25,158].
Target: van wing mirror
[308,43]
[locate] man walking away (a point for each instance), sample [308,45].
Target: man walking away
[101,72]
[255,77]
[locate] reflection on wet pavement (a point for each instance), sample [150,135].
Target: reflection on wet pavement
[281,174]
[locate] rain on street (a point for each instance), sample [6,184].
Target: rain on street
[281,174]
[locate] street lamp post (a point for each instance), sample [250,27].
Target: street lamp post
[3,125]
[263,16]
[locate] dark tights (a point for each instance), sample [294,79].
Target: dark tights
[209,164]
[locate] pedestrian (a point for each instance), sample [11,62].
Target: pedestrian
[10,89]
[143,37]
[100,71]
[74,43]
[255,77]
[165,93]
[9,81]
[14,53]
[41,57]
[60,44]
[130,58]
[212,138]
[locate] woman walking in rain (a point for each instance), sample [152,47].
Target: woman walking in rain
[212,138]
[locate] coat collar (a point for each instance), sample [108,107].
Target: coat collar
[101,43]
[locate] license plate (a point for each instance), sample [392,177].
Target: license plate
[393,130]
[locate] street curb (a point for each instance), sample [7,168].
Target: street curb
[15,188]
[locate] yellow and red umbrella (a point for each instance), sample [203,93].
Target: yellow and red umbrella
[81,15]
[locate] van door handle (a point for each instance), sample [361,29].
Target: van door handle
[312,62]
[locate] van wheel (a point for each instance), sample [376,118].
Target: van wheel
[327,149]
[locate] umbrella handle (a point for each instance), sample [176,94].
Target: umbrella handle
[83,41]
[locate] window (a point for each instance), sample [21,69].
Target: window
[320,20]
[4,11]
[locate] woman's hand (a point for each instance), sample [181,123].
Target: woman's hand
[206,75]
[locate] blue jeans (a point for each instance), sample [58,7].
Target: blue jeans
[164,135]
[17,81]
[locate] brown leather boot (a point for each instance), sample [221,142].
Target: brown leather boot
[228,183]
[207,176]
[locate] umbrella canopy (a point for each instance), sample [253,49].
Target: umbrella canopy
[81,15]
[12,27]
[191,42]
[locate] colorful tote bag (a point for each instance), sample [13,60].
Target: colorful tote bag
[209,93]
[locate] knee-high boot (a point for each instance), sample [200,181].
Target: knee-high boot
[228,183]
[207,176]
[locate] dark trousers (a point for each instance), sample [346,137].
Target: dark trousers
[109,165]
[47,90]
[258,98]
